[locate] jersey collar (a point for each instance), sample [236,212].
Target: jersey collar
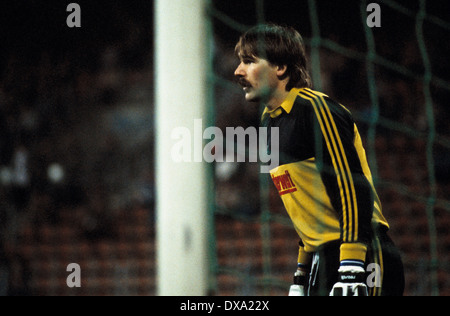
[287,105]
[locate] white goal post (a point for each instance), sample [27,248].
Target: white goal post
[180,95]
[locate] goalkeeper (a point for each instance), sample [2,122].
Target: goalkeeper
[323,177]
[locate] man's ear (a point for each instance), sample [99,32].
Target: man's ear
[281,71]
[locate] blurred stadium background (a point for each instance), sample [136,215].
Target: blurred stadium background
[77,142]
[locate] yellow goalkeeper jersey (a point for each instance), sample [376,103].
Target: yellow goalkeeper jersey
[323,177]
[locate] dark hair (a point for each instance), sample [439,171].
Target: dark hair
[280,46]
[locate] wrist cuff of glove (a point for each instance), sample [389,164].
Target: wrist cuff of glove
[300,278]
[351,271]
[349,277]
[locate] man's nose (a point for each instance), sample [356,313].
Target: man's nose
[239,72]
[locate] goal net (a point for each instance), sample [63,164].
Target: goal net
[394,78]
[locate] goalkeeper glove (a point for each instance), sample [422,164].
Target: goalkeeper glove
[351,281]
[303,268]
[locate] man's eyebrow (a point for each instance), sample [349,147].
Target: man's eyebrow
[246,56]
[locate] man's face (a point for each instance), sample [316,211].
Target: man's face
[257,77]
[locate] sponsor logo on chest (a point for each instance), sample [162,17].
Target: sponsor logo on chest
[284,183]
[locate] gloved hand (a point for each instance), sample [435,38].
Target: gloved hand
[300,282]
[351,282]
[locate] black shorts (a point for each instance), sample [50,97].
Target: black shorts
[384,267]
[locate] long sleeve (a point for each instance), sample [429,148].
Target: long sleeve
[341,171]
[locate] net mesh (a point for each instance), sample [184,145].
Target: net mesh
[394,79]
